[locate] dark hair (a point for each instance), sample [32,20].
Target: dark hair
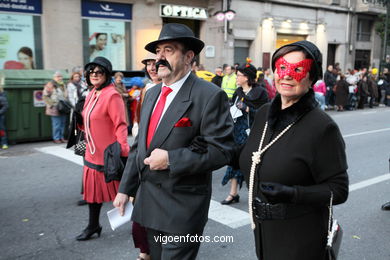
[283,51]
[98,34]
[90,68]
[261,76]
[250,72]
[28,51]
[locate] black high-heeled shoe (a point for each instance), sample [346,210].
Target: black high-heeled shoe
[235,199]
[88,233]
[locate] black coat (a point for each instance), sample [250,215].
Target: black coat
[217,80]
[330,79]
[311,157]
[342,92]
[255,98]
[3,103]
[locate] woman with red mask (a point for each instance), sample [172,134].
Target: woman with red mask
[301,163]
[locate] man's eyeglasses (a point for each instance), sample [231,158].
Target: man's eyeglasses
[96,73]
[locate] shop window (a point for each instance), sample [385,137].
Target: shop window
[21,41]
[107,33]
[284,39]
[364,30]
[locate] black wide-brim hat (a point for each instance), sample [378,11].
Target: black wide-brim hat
[177,32]
[311,49]
[102,62]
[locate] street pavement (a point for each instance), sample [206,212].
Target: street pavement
[40,186]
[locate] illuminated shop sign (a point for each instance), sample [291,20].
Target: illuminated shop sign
[185,12]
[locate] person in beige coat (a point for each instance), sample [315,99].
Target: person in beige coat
[53,92]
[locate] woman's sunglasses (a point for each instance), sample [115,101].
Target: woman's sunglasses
[96,73]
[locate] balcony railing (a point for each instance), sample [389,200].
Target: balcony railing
[363,36]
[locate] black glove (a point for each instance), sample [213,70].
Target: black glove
[278,193]
[198,145]
[241,105]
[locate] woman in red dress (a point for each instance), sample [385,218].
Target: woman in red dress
[104,123]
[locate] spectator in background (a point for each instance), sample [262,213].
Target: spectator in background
[341,93]
[121,88]
[320,92]
[386,74]
[53,92]
[76,88]
[136,84]
[150,70]
[25,56]
[382,84]
[373,90]
[271,90]
[229,82]
[248,97]
[3,109]
[330,82]
[268,76]
[363,92]
[217,80]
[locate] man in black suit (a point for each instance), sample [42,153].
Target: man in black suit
[167,172]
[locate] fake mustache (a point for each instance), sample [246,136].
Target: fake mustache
[164,63]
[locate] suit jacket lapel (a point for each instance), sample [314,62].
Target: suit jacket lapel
[175,111]
[146,112]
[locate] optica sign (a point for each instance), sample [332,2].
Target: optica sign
[185,12]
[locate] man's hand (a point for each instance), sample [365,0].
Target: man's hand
[158,160]
[120,202]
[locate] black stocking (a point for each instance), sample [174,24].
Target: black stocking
[94,213]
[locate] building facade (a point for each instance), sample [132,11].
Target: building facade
[65,34]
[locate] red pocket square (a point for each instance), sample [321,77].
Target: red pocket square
[184,122]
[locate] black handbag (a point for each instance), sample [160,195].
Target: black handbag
[64,106]
[81,146]
[335,234]
[113,164]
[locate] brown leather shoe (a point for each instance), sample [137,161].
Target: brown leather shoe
[64,140]
[57,141]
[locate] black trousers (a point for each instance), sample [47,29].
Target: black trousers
[165,246]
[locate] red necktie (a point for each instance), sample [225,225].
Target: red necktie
[155,118]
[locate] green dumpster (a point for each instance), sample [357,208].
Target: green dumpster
[25,118]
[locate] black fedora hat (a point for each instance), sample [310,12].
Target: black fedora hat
[177,32]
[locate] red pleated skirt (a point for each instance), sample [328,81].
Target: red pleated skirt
[96,190]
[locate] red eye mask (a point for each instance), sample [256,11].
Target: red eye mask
[284,68]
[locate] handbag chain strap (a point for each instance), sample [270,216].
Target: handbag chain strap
[256,159]
[330,214]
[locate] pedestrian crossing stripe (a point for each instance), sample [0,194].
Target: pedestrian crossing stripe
[223,214]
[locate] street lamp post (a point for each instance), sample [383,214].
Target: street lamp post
[225,17]
[386,27]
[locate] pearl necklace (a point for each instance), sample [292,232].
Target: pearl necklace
[256,159]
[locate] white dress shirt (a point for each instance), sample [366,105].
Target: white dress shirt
[175,89]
